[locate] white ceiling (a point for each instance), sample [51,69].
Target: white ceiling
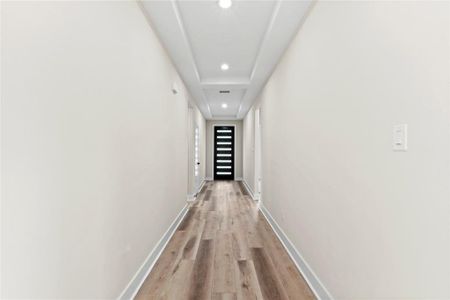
[250,37]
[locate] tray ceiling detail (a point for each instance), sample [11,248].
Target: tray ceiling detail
[249,37]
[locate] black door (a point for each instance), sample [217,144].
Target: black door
[223,153]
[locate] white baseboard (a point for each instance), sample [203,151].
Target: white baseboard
[192,197]
[238,179]
[209,179]
[201,186]
[249,190]
[311,278]
[138,279]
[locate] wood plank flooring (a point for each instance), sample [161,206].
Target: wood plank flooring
[224,249]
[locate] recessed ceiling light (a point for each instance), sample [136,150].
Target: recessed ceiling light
[224,105]
[225,3]
[224,67]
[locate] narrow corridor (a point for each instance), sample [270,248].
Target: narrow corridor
[224,249]
[225,149]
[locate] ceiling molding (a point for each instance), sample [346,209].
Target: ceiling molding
[176,10]
[225,84]
[266,37]
[288,18]
[251,37]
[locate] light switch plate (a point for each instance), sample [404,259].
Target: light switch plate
[400,137]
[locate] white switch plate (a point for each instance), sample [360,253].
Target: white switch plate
[400,137]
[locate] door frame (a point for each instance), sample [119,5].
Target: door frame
[214,145]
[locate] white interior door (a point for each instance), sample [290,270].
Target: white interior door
[258,172]
[196,157]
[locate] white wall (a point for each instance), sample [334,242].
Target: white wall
[237,145]
[372,223]
[94,147]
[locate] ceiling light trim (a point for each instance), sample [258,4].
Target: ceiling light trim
[225,4]
[224,67]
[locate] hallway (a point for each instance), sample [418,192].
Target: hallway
[225,149]
[224,249]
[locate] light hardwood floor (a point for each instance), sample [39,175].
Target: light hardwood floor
[224,249]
